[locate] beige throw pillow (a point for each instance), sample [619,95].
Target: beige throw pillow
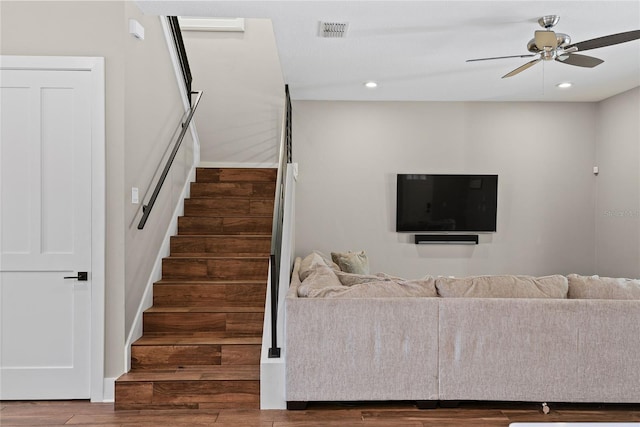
[351,262]
[596,287]
[507,286]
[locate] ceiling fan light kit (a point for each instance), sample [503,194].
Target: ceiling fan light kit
[548,45]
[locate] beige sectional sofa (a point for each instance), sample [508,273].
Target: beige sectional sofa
[528,344]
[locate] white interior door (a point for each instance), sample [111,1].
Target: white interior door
[45,234]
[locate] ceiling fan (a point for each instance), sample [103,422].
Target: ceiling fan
[548,45]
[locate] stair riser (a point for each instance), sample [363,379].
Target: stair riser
[209,295]
[215,269]
[213,226]
[235,175]
[187,394]
[218,207]
[174,356]
[223,245]
[239,323]
[221,189]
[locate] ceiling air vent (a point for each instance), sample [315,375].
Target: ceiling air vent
[333,29]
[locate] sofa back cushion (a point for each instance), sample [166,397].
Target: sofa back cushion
[424,287]
[350,279]
[507,286]
[596,287]
[318,282]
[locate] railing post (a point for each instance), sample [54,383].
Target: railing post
[276,239]
[274,351]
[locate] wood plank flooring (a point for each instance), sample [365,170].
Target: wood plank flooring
[468,414]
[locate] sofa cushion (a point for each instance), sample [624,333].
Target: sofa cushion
[318,280]
[382,289]
[506,286]
[596,287]
[350,279]
[351,262]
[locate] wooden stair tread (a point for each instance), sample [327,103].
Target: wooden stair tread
[208,373]
[205,254]
[231,196]
[206,258]
[198,194]
[229,215]
[180,309]
[198,339]
[222,236]
[209,222]
[178,282]
[236,174]
[229,190]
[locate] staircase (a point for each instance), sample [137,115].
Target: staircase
[202,337]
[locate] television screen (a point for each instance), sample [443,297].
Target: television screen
[446,202]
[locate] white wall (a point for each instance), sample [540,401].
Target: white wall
[350,152]
[617,212]
[239,117]
[142,108]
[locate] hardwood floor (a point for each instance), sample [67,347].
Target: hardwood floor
[83,413]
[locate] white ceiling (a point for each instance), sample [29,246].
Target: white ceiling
[416,50]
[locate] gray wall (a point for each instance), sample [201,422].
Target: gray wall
[239,117]
[350,152]
[617,212]
[142,106]
[153,111]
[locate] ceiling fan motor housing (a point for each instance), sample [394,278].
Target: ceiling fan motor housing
[563,40]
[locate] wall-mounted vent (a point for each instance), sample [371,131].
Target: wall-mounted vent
[211,24]
[333,29]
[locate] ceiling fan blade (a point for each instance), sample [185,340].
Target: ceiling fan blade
[579,60]
[605,41]
[502,57]
[546,39]
[522,68]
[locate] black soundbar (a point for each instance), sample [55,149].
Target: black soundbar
[451,239]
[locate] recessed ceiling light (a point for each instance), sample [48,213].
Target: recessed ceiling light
[371,85]
[564,85]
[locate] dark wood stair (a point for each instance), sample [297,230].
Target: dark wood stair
[202,337]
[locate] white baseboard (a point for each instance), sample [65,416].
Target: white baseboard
[237,165]
[109,393]
[156,272]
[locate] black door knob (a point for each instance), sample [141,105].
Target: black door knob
[82,276]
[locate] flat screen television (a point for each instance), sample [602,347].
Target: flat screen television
[447,203]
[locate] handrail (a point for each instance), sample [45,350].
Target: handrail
[174,25]
[278,214]
[146,209]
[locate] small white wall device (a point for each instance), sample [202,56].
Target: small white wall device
[136,29]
